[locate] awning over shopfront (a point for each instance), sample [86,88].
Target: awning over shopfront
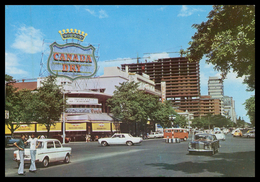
[90,118]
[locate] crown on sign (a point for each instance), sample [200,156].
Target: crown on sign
[70,34]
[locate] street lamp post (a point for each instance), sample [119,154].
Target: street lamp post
[64,117]
[63,126]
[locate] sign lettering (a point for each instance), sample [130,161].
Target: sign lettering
[72,61]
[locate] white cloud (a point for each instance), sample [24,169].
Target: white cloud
[185,11]
[101,13]
[233,79]
[12,65]
[112,63]
[91,11]
[28,40]
[161,8]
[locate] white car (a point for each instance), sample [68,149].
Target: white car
[49,150]
[155,135]
[120,138]
[220,135]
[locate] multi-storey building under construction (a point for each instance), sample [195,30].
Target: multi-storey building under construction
[182,80]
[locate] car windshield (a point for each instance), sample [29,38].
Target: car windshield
[203,137]
[29,143]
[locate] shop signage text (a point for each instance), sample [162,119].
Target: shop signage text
[81,101]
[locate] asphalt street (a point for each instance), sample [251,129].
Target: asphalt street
[151,158]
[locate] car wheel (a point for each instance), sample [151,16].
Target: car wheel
[45,162]
[129,143]
[67,158]
[104,144]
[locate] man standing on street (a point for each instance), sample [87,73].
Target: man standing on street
[33,146]
[20,146]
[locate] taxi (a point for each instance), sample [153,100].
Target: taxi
[238,133]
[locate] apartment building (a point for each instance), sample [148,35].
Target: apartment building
[209,105]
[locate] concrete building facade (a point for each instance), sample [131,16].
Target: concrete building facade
[229,108]
[209,105]
[182,80]
[87,114]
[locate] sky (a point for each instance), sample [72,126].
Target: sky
[120,33]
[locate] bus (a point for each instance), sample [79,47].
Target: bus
[180,133]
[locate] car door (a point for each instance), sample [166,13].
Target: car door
[60,153]
[114,139]
[122,139]
[51,151]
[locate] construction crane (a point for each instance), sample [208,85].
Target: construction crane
[181,52]
[137,58]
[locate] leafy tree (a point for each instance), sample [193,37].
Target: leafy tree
[211,121]
[227,39]
[162,114]
[123,103]
[180,121]
[250,107]
[199,122]
[49,103]
[220,121]
[240,122]
[130,105]
[20,105]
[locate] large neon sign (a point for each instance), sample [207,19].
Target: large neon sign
[72,60]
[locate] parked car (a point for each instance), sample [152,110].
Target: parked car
[120,138]
[220,135]
[49,150]
[59,137]
[204,142]
[237,133]
[155,135]
[9,141]
[249,134]
[217,129]
[225,130]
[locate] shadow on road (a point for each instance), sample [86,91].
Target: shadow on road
[236,164]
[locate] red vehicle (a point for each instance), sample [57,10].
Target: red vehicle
[180,133]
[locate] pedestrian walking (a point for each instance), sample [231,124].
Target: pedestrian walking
[20,146]
[33,146]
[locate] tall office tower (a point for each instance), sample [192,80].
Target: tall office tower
[182,80]
[215,88]
[216,91]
